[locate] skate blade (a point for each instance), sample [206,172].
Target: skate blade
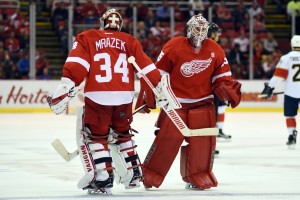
[191,187]
[292,146]
[147,188]
[105,191]
[223,140]
[216,153]
[132,186]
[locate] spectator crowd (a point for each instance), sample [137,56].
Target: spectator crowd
[14,45]
[152,30]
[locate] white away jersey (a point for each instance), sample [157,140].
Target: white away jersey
[288,68]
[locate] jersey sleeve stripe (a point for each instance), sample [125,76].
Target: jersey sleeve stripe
[81,61]
[220,75]
[147,69]
[283,73]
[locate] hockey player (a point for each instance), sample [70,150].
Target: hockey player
[104,134]
[288,70]
[214,32]
[197,67]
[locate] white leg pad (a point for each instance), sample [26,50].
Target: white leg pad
[122,174]
[85,180]
[84,154]
[89,153]
[124,170]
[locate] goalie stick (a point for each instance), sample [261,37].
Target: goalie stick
[265,95]
[171,112]
[65,154]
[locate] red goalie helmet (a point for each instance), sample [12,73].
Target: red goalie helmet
[111,19]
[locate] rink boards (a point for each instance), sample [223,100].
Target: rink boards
[30,96]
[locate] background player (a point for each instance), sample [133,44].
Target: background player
[214,32]
[288,70]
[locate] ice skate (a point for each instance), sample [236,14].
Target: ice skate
[100,187]
[216,153]
[93,190]
[105,191]
[135,181]
[292,140]
[222,136]
[147,187]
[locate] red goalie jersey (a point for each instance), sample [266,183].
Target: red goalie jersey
[196,72]
[100,57]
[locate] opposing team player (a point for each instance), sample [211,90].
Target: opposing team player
[214,32]
[104,134]
[288,70]
[197,67]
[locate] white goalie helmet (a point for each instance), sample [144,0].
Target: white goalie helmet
[295,41]
[197,28]
[111,19]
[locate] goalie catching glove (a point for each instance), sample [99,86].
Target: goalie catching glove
[64,93]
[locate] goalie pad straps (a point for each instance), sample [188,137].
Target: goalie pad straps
[127,165]
[97,164]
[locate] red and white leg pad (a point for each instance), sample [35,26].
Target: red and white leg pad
[197,158]
[194,170]
[163,151]
[96,162]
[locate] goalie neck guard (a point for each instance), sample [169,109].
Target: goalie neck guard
[112,20]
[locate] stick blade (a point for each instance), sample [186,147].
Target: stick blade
[61,150]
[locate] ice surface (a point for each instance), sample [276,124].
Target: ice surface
[256,164]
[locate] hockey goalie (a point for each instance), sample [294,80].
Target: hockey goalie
[104,135]
[197,67]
